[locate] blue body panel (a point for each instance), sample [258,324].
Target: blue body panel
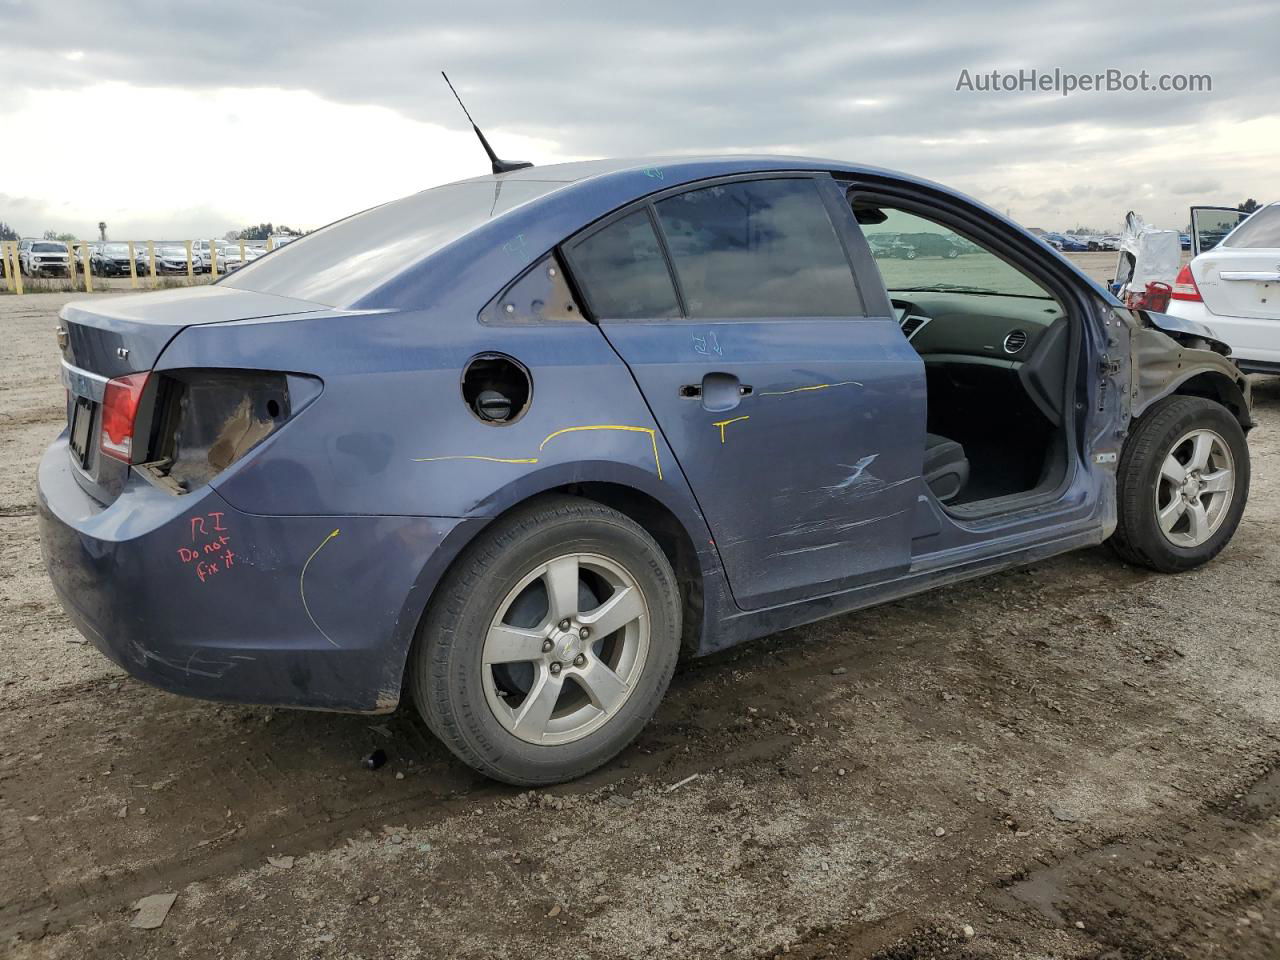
[809,482]
[811,506]
[194,596]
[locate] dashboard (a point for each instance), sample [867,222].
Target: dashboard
[967,327]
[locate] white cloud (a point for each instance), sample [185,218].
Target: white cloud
[158,162]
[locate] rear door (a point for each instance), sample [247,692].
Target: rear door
[797,418]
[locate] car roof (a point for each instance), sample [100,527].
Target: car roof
[680,168]
[522,229]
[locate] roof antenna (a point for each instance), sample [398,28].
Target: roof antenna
[499,166]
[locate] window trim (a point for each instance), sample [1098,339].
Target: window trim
[649,202]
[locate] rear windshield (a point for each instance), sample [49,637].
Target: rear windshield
[1260,230]
[343,262]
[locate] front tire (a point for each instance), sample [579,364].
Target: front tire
[549,644]
[1182,485]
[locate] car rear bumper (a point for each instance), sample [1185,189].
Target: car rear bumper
[191,595]
[1254,341]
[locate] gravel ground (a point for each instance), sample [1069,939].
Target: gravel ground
[1078,759]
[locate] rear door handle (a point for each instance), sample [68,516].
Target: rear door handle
[718,391]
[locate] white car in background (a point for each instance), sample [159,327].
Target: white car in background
[1233,283]
[42,257]
[230,258]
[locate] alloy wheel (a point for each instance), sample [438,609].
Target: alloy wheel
[1194,488]
[566,648]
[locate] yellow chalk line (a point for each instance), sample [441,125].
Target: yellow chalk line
[470,457]
[724,423]
[653,437]
[816,386]
[302,589]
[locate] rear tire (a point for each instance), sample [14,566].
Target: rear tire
[501,680]
[1182,485]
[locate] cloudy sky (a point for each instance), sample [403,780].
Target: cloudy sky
[171,119]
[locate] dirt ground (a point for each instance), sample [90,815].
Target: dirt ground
[1078,759]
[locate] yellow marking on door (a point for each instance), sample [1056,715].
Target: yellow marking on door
[653,437]
[302,590]
[724,423]
[472,457]
[816,386]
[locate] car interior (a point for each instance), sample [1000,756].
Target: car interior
[995,346]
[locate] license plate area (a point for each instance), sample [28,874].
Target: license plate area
[81,429]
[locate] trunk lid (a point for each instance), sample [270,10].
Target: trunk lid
[1240,281]
[97,331]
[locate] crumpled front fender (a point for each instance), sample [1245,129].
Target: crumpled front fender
[1162,366]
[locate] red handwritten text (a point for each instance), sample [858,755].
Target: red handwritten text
[210,552]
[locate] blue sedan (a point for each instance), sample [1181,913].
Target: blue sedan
[512,446]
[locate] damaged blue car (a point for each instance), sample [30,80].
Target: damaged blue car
[512,446]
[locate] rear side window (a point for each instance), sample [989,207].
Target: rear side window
[622,269]
[1260,230]
[758,248]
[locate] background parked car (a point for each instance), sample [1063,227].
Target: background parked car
[1233,286]
[111,260]
[1065,242]
[43,257]
[202,255]
[170,258]
[890,245]
[930,245]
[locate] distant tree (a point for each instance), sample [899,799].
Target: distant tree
[64,237]
[1249,206]
[262,231]
[7,232]
[102,230]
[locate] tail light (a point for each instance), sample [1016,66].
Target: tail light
[1184,286]
[119,413]
[206,420]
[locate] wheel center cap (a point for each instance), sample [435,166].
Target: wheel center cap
[566,647]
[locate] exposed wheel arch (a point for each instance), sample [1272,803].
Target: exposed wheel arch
[654,516]
[1221,389]
[672,536]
